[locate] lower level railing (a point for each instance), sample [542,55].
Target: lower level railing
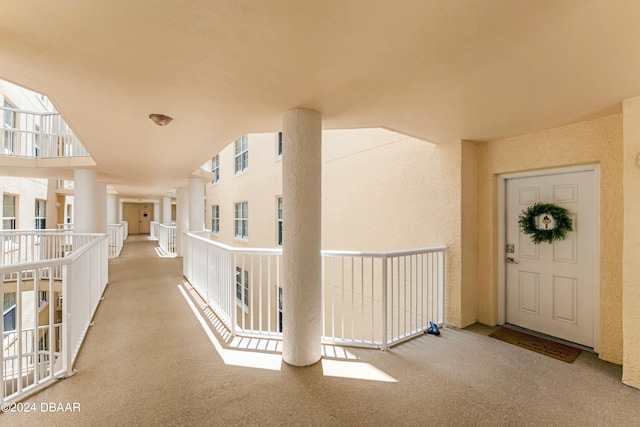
[167,238]
[51,304]
[116,239]
[368,298]
[125,229]
[153,230]
[19,246]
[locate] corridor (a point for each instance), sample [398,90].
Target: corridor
[148,361]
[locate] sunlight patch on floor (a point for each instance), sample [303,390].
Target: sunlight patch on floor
[354,370]
[265,353]
[163,254]
[247,359]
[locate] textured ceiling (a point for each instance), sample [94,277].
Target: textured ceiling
[439,70]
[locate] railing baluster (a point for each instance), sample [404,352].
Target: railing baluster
[404,301]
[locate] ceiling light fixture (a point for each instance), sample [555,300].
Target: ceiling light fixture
[160,119]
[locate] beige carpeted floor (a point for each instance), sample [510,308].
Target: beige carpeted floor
[148,361]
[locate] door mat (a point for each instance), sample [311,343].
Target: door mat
[539,345]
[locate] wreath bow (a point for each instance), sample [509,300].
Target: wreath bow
[563,224]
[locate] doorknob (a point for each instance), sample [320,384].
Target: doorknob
[511,261]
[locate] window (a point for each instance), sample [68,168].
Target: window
[215,168]
[41,214]
[36,140]
[279,149]
[9,311]
[279,309]
[42,298]
[242,220]
[69,211]
[9,124]
[215,219]
[8,212]
[242,287]
[242,153]
[279,220]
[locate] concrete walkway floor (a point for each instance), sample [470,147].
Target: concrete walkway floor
[148,361]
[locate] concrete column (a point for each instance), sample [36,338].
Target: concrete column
[101,206]
[182,218]
[85,210]
[120,211]
[166,211]
[196,204]
[112,209]
[301,260]
[156,211]
[631,244]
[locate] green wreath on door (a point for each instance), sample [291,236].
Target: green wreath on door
[534,219]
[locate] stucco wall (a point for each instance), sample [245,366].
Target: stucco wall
[26,190]
[259,185]
[381,191]
[631,266]
[469,233]
[596,141]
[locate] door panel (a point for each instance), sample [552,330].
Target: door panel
[144,221]
[550,287]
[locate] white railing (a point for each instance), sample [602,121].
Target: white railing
[241,285]
[65,226]
[38,135]
[63,184]
[153,231]
[368,299]
[54,302]
[125,230]
[167,238]
[381,298]
[116,239]
[19,246]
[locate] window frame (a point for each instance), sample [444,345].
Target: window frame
[241,220]
[241,156]
[279,220]
[215,219]
[40,214]
[279,138]
[5,217]
[8,129]
[240,285]
[215,168]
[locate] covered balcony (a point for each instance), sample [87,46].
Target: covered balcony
[42,140]
[156,354]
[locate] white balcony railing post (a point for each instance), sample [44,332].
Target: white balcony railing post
[385,307]
[232,303]
[67,320]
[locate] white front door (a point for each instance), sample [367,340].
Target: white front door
[551,286]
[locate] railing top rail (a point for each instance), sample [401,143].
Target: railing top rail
[390,254]
[277,251]
[56,231]
[55,261]
[35,113]
[271,251]
[115,225]
[168,226]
